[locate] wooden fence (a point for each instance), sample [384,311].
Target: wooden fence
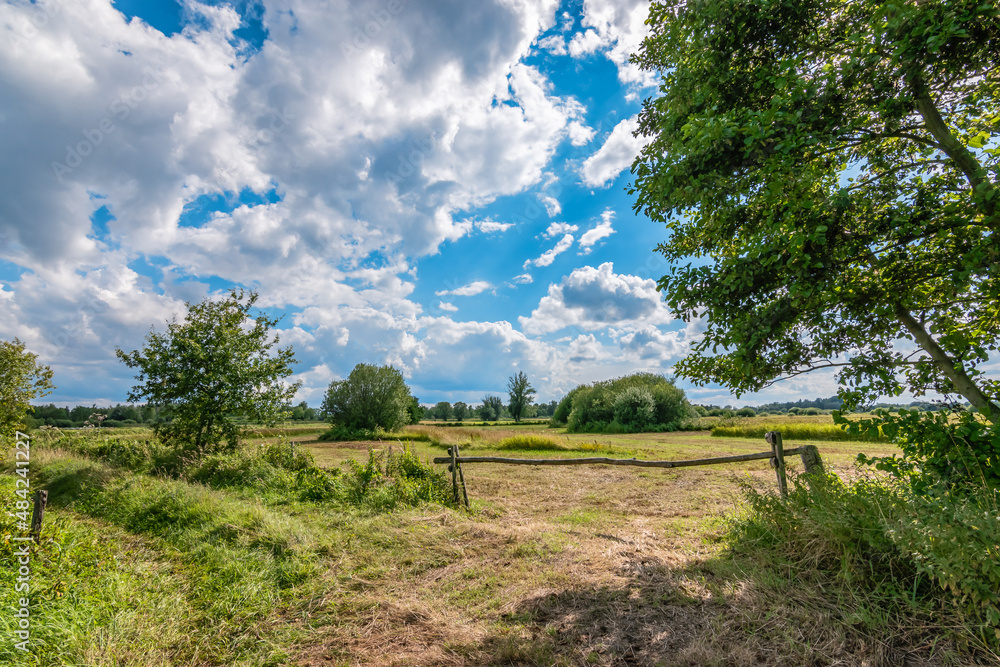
[809,454]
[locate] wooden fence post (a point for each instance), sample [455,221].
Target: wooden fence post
[41,500]
[453,451]
[778,460]
[461,478]
[811,460]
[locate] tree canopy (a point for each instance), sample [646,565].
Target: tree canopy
[827,171]
[521,394]
[492,408]
[218,365]
[370,398]
[442,410]
[22,379]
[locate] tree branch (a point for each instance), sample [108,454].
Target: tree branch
[953,148]
[949,368]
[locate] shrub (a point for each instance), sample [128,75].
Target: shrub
[635,408]
[746,412]
[341,433]
[638,402]
[963,452]
[406,481]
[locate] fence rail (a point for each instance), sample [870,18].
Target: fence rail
[809,454]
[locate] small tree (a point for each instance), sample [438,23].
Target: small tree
[372,397]
[215,366]
[521,394]
[461,410]
[492,408]
[22,379]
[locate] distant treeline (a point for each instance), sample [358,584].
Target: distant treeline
[126,415]
[806,406]
[460,411]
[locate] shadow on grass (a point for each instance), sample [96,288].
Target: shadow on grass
[712,612]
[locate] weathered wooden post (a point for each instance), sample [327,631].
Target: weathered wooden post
[778,460]
[461,478]
[41,500]
[811,461]
[453,451]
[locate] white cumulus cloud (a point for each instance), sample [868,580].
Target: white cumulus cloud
[549,256]
[616,155]
[595,298]
[601,231]
[472,289]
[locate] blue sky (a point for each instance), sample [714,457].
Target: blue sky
[439,186]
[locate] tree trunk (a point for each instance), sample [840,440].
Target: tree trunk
[963,384]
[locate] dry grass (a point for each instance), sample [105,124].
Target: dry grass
[588,565]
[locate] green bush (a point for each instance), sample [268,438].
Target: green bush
[370,398]
[937,449]
[347,434]
[629,404]
[388,481]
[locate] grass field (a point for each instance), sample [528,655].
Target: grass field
[582,565]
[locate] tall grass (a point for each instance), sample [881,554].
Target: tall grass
[756,428]
[241,561]
[530,443]
[895,561]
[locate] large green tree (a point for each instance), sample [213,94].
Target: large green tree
[220,364]
[22,379]
[827,171]
[521,395]
[371,397]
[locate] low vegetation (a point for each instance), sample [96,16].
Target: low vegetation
[756,428]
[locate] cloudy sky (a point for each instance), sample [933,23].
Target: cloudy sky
[439,185]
